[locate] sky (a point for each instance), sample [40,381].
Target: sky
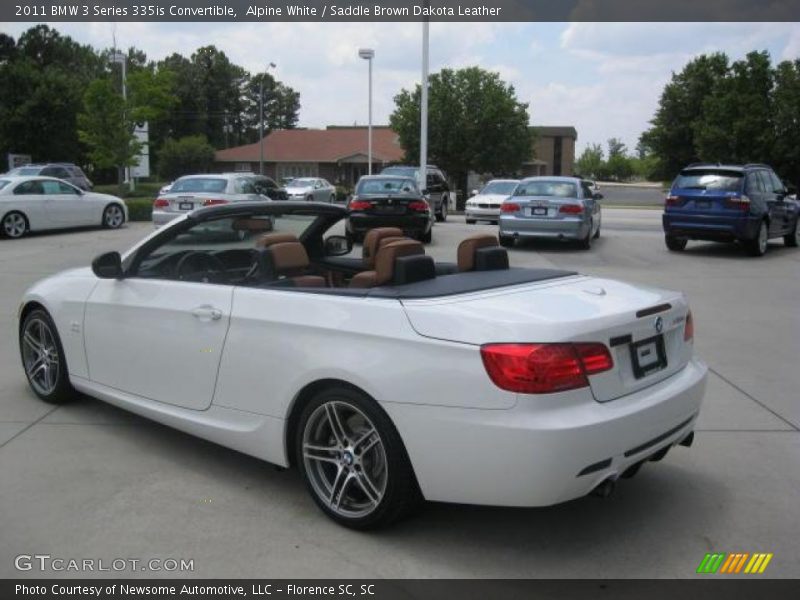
[603,78]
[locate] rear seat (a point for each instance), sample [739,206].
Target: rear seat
[397,263]
[374,239]
[481,252]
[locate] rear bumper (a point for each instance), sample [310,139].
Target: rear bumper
[710,227]
[574,228]
[162,217]
[357,223]
[534,454]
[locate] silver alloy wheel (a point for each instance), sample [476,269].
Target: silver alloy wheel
[443,210]
[114,216]
[14,225]
[762,238]
[345,459]
[40,356]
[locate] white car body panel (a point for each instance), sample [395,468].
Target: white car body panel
[235,380]
[56,211]
[472,211]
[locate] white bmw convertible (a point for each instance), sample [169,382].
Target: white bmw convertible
[385,378]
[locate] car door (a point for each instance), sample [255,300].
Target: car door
[67,206]
[773,202]
[783,214]
[159,332]
[28,197]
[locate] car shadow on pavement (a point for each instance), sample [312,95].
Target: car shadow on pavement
[548,246]
[775,249]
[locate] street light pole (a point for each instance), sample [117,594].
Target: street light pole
[368,54]
[423,120]
[261,119]
[121,59]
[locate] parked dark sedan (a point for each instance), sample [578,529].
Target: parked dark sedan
[389,201]
[266,186]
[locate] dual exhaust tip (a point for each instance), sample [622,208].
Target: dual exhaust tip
[606,487]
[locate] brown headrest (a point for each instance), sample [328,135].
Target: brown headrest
[252,224]
[384,261]
[466,249]
[288,258]
[275,238]
[372,243]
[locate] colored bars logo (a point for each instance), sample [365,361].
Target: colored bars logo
[736,562]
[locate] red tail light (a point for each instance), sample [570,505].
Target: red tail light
[688,328]
[571,209]
[161,203]
[740,203]
[544,368]
[673,201]
[418,206]
[509,207]
[214,202]
[360,205]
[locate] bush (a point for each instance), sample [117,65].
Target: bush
[139,209]
[186,156]
[343,192]
[143,190]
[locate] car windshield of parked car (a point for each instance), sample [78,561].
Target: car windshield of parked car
[303,183]
[403,171]
[199,185]
[501,188]
[712,179]
[4,183]
[226,239]
[25,171]
[558,189]
[388,185]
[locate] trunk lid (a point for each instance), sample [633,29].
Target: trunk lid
[382,205]
[545,207]
[573,309]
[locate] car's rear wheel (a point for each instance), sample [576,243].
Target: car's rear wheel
[793,239]
[427,237]
[333,198]
[586,243]
[758,245]
[113,216]
[43,358]
[441,216]
[470,221]
[353,460]
[14,225]
[597,233]
[506,241]
[675,244]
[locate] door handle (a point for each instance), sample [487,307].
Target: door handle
[207,313]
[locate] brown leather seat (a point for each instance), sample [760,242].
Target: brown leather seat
[385,263]
[467,248]
[268,239]
[372,242]
[290,261]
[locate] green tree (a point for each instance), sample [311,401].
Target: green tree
[190,154]
[786,121]
[680,112]
[475,123]
[590,162]
[281,106]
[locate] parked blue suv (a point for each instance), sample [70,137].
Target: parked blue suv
[729,203]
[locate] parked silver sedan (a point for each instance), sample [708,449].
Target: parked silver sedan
[551,207]
[195,191]
[312,189]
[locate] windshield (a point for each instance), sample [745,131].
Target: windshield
[303,182]
[199,184]
[559,189]
[503,188]
[404,171]
[25,171]
[4,183]
[394,185]
[712,179]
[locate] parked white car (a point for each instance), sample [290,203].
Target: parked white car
[484,205]
[381,381]
[195,191]
[311,189]
[34,203]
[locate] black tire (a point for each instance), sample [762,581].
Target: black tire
[758,245]
[62,391]
[675,244]
[399,494]
[792,239]
[586,243]
[426,237]
[333,199]
[470,221]
[113,216]
[441,216]
[597,233]
[14,225]
[506,241]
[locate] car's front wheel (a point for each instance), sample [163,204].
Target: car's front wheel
[353,460]
[792,239]
[43,358]
[113,216]
[14,225]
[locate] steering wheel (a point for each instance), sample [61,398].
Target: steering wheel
[201,266]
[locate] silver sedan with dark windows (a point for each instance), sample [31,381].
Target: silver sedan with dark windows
[563,208]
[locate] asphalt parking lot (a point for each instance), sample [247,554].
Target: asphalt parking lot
[87,480]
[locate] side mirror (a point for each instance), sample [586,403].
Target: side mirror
[598,196]
[338,245]
[108,266]
[473,193]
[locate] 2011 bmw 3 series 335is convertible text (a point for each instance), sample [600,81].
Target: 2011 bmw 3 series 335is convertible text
[385,378]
